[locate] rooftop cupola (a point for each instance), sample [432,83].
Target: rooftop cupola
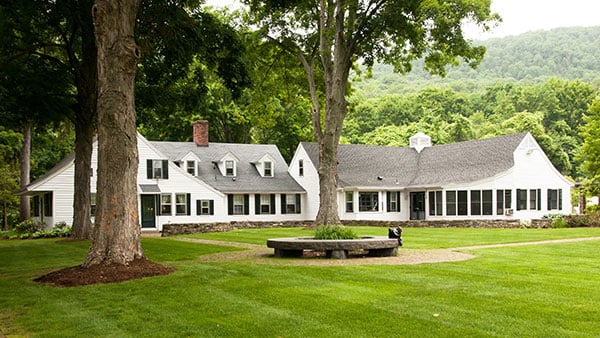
[420,141]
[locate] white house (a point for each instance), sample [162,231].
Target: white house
[188,182]
[506,177]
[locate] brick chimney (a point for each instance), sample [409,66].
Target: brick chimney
[201,133]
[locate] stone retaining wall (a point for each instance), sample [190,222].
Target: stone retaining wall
[192,228]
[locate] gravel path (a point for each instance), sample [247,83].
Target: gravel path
[260,254]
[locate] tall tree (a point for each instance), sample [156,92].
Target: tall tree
[329,35]
[59,34]
[116,235]
[590,151]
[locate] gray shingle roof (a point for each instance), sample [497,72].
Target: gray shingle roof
[248,180]
[403,167]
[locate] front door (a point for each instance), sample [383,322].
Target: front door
[417,205]
[148,211]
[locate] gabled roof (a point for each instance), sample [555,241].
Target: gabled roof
[403,167]
[247,179]
[57,169]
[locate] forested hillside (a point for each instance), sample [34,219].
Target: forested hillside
[530,58]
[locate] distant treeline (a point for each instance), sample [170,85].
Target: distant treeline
[530,58]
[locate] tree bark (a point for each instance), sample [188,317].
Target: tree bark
[86,76]
[116,235]
[25,161]
[336,67]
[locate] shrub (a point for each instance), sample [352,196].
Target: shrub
[31,229]
[558,220]
[336,231]
[587,220]
[28,227]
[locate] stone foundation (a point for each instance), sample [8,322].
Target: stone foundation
[193,228]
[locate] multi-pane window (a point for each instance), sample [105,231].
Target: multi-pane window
[368,201]
[191,167]
[451,203]
[554,199]
[229,168]
[476,202]
[165,204]
[481,202]
[205,207]
[534,199]
[503,200]
[393,201]
[462,203]
[435,203]
[48,204]
[300,167]
[93,204]
[290,203]
[521,199]
[349,201]
[265,204]
[268,169]
[157,169]
[181,204]
[487,204]
[35,201]
[238,204]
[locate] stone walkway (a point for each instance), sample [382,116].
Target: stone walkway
[260,254]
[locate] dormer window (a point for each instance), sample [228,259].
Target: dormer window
[229,168]
[190,167]
[268,169]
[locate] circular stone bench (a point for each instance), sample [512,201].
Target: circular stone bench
[378,246]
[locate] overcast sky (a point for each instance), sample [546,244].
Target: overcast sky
[520,16]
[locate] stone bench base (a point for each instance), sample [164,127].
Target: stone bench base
[337,249]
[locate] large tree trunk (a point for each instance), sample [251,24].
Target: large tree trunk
[336,68]
[25,161]
[116,235]
[85,121]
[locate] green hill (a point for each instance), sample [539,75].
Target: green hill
[530,58]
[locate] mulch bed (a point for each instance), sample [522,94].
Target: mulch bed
[104,273]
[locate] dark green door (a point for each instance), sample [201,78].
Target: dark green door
[148,211]
[417,205]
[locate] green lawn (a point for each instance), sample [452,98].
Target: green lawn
[536,291]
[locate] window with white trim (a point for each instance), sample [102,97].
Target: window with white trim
[554,199]
[290,203]
[165,204]
[521,199]
[181,204]
[451,202]
[238,204]
[190,167]
[265,204]
[535,202]
[300,168]
[205,207]
[503,200]
[435,203]
[157,168]
[350,201]
[368,201]
[229,168]
[268,169]
[93,204]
